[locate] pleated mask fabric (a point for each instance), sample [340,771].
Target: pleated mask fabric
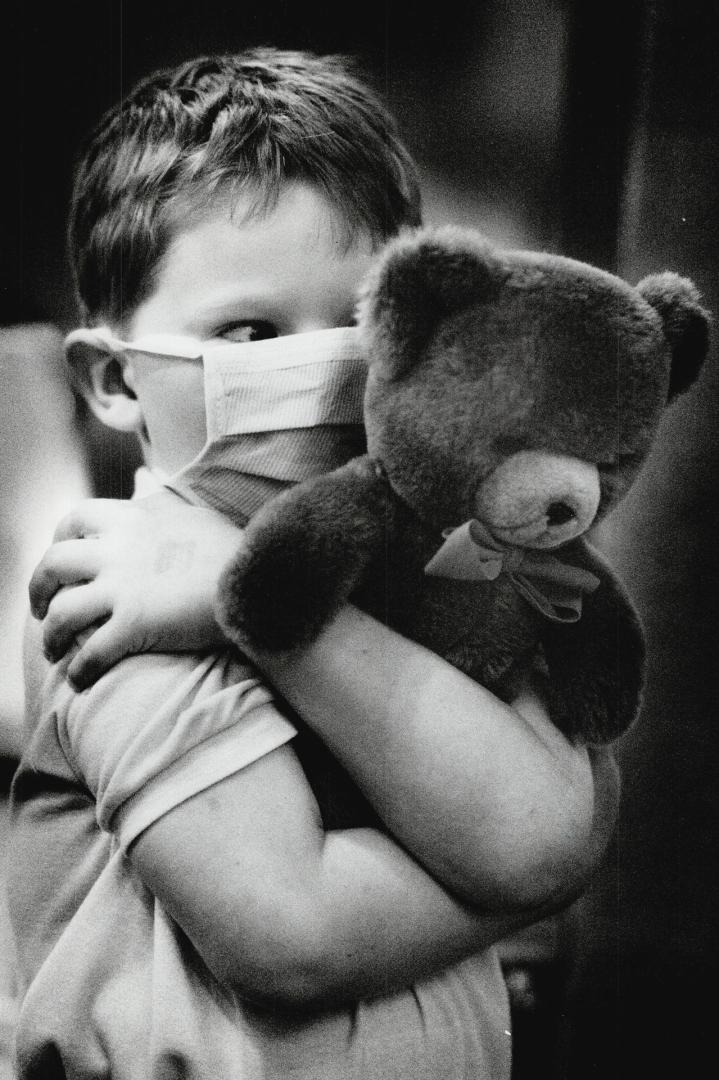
[278,411]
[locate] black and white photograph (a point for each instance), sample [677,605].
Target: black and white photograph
[359,491]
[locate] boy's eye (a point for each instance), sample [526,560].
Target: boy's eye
[244,332]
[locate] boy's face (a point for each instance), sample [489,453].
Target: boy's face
[237,278]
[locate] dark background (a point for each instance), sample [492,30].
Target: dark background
[590,129]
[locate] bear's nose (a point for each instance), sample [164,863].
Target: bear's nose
[537,499]
[559,513]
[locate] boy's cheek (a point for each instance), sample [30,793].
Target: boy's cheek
[171,393]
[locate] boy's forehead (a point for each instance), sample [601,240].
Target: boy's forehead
[294,210]
[232,251]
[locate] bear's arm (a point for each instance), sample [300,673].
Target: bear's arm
[303,555]
[596,665]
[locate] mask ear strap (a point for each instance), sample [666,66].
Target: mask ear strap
[98,338]
[172,346]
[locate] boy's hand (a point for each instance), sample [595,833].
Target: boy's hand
[131,577]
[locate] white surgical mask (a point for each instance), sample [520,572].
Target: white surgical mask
[277,411]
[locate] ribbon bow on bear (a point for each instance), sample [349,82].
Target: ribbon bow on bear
[554,588]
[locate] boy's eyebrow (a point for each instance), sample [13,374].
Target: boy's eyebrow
[240,304]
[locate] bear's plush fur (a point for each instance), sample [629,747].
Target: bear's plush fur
[511,400]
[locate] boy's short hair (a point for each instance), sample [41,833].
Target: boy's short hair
[252,121]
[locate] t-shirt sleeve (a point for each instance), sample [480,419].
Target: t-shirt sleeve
[158,729]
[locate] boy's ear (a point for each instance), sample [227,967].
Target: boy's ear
[106,380]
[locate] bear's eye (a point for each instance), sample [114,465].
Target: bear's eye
[506,445]
[617,461]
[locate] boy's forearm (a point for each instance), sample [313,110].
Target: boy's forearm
[279,911]
[288,916]
[491,798]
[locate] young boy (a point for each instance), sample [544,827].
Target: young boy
[180,906]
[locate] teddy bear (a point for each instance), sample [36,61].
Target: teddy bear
[511,399]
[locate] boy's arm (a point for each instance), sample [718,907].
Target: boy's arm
[490,798]
[288,915]
[279,911]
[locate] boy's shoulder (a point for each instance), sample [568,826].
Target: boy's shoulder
[147,689]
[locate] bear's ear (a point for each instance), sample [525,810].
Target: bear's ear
[686,325]
[421,278]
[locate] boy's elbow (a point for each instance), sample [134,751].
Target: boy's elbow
[559,870]
[545,880]
[287,968]
[545,859]
[571,835]
[580,831]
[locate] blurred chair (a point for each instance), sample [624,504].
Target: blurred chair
[43,473]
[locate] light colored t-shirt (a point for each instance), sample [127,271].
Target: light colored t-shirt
[113,988]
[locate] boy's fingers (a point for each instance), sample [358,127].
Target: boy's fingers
[65,563]
[88,518]
[70,612]
[102,650]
